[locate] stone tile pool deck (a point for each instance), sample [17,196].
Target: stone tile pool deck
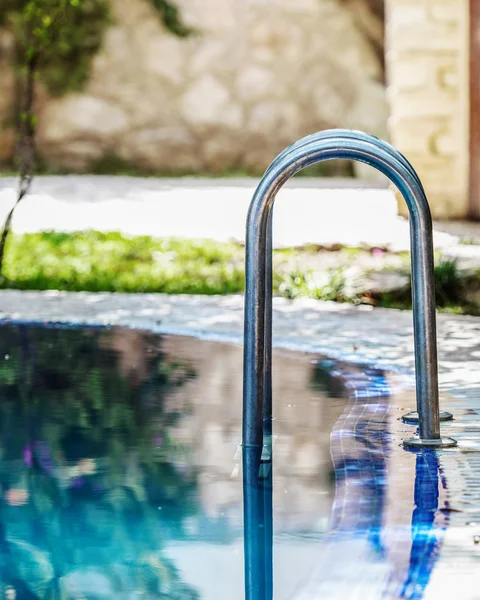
[353,334]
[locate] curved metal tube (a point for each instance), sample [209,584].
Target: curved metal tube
[258,302]
[368,151]
[344,134]
[347,134]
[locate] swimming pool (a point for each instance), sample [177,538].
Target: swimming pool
[121,472]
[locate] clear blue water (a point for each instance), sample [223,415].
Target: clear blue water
[120,473]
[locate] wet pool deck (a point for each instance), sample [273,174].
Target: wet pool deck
[377,336]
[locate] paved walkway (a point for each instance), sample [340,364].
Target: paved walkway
[319,211]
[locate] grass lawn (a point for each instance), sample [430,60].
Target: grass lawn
[111,262]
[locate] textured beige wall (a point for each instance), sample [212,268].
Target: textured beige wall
[427,69]
[258,75]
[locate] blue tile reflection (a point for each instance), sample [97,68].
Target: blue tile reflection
[426,536]
[385,530]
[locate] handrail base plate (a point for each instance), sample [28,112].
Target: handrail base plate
[412,417]
[416,442]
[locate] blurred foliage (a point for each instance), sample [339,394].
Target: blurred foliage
[92,482]
[328,285]
[65,35]
[452,291]
[112,262]
[56,40]
[170,16]
[61,35]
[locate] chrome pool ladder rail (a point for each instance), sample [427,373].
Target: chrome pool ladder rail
[257,394]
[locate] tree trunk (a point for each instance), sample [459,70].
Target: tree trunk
[25,152]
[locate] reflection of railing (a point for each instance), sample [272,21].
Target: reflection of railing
[361,445]
[364,548]
[426,534]
[257,408]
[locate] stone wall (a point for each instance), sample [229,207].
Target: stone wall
[257,75]
[427,68]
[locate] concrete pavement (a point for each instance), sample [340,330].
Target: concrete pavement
[317,211]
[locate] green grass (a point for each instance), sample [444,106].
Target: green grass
[111,262]
[328,285]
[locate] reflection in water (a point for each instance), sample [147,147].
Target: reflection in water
[357,559]
[367,421]
[90,490]
[426,534]
[120,475]
[258,519]
[120,470]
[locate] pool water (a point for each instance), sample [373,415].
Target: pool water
[121,473]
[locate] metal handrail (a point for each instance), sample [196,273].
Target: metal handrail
[347,134]
[257,396]
[344,134]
